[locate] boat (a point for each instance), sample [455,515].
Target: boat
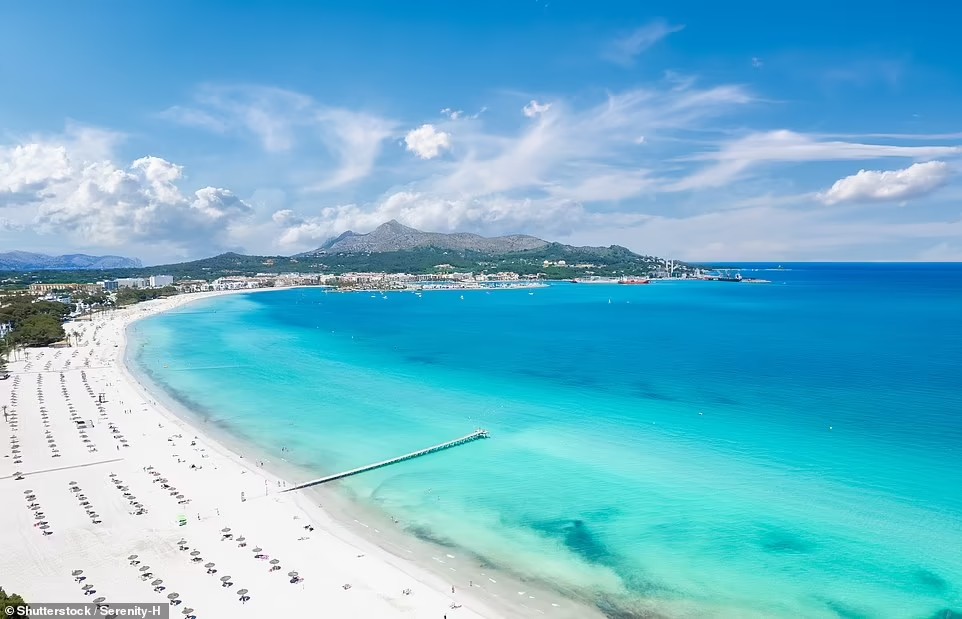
[594,280]
[634,281]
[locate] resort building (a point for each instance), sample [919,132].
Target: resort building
[114,285]
[159,281]
[41,289]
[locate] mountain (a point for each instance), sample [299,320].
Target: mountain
[393,236]
[26,261]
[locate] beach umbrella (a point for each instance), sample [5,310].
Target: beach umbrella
[144,568]
[182,541]
[242,592]
[113,475]
[274,561]
[28,491]
[208,565]
[256,550]
[35,507]
[194,553]
[188,611]
[99,600]
[292,574]
[241,539]
[76,572]
[180,496]
[225,530]
[157,582]
[173,596]
[224,578]
[87,587]
[131,557]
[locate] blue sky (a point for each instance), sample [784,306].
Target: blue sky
[697,130]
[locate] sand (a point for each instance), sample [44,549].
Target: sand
[139,480]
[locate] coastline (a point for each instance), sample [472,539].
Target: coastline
[379,564]
[496,590]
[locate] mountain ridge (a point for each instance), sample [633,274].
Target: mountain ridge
[30,261]
[394,236]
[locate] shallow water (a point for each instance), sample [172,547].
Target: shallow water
[686,448]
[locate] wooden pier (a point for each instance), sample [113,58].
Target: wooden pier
[477,434]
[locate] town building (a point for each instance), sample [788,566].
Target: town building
[159,281]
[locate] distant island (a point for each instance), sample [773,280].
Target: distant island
[390,248]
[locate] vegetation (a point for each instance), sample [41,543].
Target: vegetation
[128,296]
[8,601]
[38,330]
[34,323]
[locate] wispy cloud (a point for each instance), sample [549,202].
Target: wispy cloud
[283,120]
[734,158]
[625,49]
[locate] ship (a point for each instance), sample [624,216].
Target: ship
[634,281]
[594,280]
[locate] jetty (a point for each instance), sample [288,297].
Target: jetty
[477,434]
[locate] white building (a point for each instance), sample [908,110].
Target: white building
[159,281]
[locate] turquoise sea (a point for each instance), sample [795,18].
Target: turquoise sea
[682,449]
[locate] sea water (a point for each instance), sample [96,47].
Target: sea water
[789,449]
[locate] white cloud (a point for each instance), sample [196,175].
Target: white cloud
[876,186]
[452,114]
[757,62]
[535,109]
[26,171]
[736,157]
[427,142]
[101,204]
[624,50]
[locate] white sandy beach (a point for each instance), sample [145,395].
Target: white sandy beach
[87,487]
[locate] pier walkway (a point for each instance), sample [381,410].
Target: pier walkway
[477,434]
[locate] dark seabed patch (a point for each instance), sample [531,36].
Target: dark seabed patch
[577,537]
[425,534]
[947,613]
[422,359]
[723,400]
[779,541]
[643,389]
[930,580]
[845,611]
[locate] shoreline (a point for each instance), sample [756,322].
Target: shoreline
[495,588]
[379,567]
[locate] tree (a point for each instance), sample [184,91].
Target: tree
[8,601]
[39,330]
